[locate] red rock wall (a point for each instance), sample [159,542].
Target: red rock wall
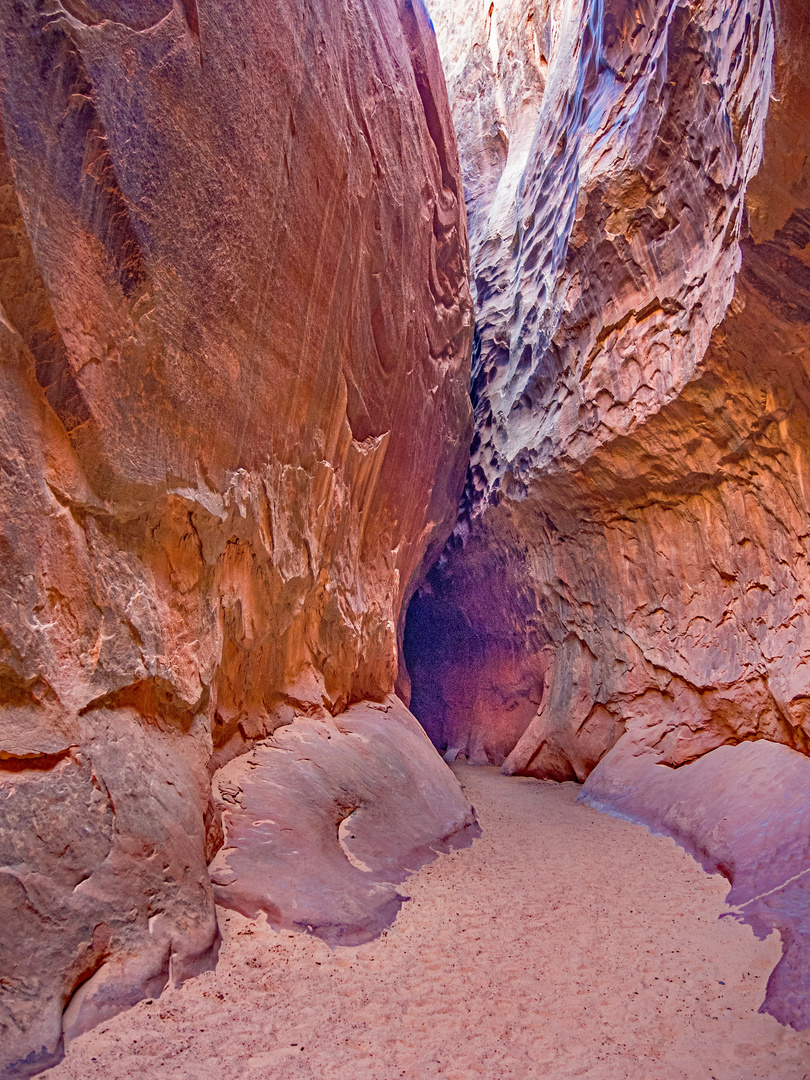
[632,553]
[235,332]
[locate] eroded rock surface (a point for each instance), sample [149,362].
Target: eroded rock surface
[632,552]
[323,819]
[744,812]
[234,325]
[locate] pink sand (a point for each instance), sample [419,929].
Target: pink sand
[563,943]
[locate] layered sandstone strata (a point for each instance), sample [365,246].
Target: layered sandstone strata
[235,334]
[632,553]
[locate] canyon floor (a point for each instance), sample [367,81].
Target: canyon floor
[563,943]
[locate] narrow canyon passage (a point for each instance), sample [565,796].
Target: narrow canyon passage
[369,364]
[563,943]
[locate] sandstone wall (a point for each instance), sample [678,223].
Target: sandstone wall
[235,336]
[632,554]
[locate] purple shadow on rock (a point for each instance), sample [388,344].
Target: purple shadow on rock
[742,811]
[324,818]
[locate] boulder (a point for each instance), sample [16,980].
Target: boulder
[327,816]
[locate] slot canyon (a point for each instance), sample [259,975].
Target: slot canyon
[405,539]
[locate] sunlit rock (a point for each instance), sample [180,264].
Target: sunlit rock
[632,550]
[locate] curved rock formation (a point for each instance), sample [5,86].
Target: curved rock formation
[741,811]
[325,817]
[632,554]
[235,331]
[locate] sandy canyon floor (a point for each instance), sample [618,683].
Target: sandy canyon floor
[563,943]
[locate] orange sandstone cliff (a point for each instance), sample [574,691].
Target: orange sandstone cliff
[625,597]
[632,556]
[234,415]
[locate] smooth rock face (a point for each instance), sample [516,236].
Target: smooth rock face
[744,812]
[234,418]
[323,819]
[632,552]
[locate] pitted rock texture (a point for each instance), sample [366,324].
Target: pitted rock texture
[744,812]
[234,416]
[608,251]
[323,819]
[632,552]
